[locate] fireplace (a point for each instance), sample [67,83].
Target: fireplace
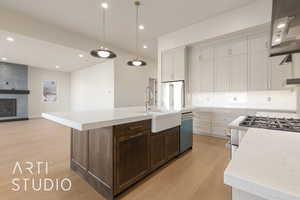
[8,107]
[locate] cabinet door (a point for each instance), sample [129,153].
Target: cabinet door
[259,64]
[238,73]
[172,143]
[167,71]
[79,148]
[279,73]
[222,68]
[179,63]
[206,74]
[132,159]
[195,71]
[158,156]
[238,47]
[201,65]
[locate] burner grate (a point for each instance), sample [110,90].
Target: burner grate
[284,124]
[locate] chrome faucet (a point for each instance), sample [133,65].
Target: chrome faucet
[148,101]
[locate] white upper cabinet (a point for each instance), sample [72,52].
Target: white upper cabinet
[231,66]
[173,64]
[279,73]
[201,69]
[237,65]
[258,64]
[222,67]
[167,66]
[238,73]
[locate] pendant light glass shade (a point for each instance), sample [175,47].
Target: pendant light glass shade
[137,62]
[103,52]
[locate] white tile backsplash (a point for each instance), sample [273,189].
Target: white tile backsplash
[277,100]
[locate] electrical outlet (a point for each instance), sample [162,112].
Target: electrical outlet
[269,99]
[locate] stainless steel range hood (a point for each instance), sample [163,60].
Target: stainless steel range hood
[294,59]
[285,36]
[285,29]
[293,82]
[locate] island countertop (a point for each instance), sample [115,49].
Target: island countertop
[86,120]
[267,165]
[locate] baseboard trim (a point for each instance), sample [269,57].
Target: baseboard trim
[210,134]
[13,120]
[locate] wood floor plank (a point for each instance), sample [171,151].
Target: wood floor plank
[198,175]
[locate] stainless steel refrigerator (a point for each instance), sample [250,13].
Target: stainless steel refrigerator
[173,95]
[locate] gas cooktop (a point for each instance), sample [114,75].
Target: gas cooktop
[282,124]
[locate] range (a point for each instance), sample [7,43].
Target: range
[283,124]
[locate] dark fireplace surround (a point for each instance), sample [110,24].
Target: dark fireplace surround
[8,107]
[13,92]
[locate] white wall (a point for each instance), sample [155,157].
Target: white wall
[35,104]
[92,88]
[131,82]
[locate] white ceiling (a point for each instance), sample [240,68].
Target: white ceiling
[29,51]
[158,16]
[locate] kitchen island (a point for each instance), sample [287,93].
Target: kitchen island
[114,149]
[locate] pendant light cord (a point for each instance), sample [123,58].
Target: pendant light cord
[103,25]
[136,30]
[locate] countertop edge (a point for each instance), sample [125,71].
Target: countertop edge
[93,125]
[65,122]
[256,189]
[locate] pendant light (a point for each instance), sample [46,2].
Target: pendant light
[137,62]
[103,52]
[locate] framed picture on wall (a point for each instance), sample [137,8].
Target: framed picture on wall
[50,91]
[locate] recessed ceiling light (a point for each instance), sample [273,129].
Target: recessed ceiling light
[104,5]
[141,27]
[4,59]
[145,46]
[10,39]
[57,67]
[281,25]
[81,55]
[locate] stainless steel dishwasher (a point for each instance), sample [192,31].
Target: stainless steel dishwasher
[186,131]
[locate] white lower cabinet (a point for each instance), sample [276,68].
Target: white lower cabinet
[202,122]
[215,123]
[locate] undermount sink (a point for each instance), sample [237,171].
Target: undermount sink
[164,120]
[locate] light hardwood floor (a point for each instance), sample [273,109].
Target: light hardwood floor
[198,175]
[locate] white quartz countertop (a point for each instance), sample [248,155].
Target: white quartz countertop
[267,164]
[86,120]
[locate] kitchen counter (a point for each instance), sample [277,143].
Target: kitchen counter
[267,165]
[86,120]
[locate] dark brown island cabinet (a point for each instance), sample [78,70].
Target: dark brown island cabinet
[112,159]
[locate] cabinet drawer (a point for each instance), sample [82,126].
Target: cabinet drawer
[132,129]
